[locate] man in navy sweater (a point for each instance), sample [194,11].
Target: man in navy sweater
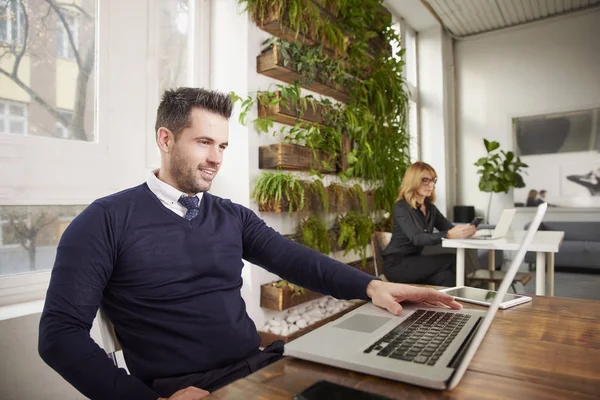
[164,259]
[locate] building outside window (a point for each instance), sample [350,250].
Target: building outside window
[66,46]
[13,117]
[12,26]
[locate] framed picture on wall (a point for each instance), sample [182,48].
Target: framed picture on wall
[563,154]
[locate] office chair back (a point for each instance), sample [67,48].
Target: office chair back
[379,241]
[110,343]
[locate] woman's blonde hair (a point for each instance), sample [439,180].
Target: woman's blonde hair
[412,181]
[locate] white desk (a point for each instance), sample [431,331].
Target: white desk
[545,244]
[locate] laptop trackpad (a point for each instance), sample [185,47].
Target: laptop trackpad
[362,323]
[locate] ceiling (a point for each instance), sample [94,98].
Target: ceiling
[469,17]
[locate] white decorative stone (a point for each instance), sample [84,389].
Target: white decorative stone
[292,329]
[276,330]
[301,323]
[315,313]
[292,318]
[275,322]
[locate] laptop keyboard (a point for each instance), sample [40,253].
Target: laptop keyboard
[421,338]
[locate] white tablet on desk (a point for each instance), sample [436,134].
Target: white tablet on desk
[485,297]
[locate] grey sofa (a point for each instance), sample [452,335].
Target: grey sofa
[581,245]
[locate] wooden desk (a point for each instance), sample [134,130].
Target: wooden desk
[547,349]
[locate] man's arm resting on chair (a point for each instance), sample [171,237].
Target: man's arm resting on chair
[81,271]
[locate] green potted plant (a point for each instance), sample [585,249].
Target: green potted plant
[499,171]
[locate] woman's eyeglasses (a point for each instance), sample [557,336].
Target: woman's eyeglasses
[427,181]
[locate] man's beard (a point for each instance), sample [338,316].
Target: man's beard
[185,176]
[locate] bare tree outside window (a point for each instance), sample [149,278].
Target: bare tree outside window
[47,58]
[29,236]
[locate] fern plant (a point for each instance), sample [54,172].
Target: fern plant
[314,234]
[355,230]
[317,194]
[271,188]
[358,194]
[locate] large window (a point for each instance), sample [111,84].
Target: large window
[78,100]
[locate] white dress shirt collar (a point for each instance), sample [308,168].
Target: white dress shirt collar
[167,194]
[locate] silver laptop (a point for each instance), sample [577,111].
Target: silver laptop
[501,229]
[425,346]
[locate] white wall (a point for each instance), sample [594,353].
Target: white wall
[546,67]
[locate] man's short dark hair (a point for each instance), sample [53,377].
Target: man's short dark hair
[542,192]
[176,105]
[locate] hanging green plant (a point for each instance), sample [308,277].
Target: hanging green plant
[317,194]
[272,189]
[303,17]
[314,234]
[355,231]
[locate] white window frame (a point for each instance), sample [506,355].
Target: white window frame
[7,117]
[63,45]
[126,104]
[410,58]
[11,18]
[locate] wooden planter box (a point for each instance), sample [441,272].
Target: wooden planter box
[370,194]
[267,338]
[311,205]
[282,206]
[346,148]
[290,116]
[269,63]
[293,157]
[348,203]
[275,27]
[280,299]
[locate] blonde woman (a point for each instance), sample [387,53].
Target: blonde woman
[415,217]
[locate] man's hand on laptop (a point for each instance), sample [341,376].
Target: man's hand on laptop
[388,295]
[461,231]
[189,393]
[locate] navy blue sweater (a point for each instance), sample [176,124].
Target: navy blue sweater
[170,286]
